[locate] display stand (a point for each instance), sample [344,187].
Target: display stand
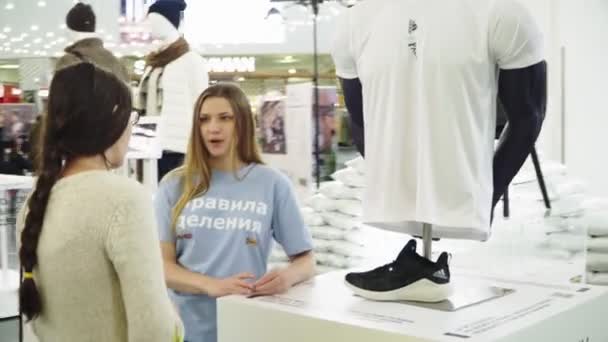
[9,278]
[325,310]
[464,294]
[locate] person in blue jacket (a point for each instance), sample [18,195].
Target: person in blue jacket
[220,212]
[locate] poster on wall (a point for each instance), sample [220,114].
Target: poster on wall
[273,132]
[287,118]
[16,120]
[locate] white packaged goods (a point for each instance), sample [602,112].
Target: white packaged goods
[597,278]
[311,217]
[597,262]
[357,164]
[597,223]
[346,248]
[568,207]
[334,260]
[567,242]
[350,177]
[349,207]
[277,255]
[321,269]
[322,245]
[338,190]
[598,244]
[550,169]
[327,233]
[339,220]
[321,202]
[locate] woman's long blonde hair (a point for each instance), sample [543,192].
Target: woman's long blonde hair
[196,171]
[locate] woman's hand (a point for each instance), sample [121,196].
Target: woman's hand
[235,285]
[274,282]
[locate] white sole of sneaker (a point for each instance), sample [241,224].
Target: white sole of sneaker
[423,290]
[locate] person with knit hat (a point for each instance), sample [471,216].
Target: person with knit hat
[174,77]
[81,23]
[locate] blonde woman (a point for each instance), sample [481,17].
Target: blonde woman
[219,213]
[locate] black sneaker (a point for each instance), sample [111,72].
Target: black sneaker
[409,278]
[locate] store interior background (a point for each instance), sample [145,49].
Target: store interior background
[33,35]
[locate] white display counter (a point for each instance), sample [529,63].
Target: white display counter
[325,310]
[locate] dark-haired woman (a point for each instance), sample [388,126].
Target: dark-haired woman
[89,246]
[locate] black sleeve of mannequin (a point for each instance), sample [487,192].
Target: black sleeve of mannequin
[523,93]
[353,97]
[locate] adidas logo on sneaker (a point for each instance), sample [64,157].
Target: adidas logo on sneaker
[441,274]
[409,278]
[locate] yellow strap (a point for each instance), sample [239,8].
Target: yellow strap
[177,337]
[28,275]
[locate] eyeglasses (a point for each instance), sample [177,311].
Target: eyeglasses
[134,118]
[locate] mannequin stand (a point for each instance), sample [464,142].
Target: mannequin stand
[465,293]
[541,183]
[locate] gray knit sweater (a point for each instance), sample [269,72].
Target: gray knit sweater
[100,272]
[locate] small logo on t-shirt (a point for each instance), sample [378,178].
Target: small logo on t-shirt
[251,241]
[187,236]
[413,42]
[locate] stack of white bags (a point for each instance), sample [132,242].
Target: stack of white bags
[333,215]
[563,230]
[597,247]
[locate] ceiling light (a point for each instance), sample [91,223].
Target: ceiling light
[41,3]
[58,54]
[109,37]
[16,92]
[240,79]
[292,71]
[63,26]
[9,6]
[34,27]
[43,93]
[7,29]
[27,45]
[9,66]
[50,34]
[37,40]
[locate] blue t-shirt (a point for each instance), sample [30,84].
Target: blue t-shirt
[229,230]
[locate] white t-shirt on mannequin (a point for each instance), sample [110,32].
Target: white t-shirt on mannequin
[429,70]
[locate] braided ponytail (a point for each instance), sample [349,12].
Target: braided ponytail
[51,166]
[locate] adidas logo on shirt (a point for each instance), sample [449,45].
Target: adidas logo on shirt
[413,26]
[413,44]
